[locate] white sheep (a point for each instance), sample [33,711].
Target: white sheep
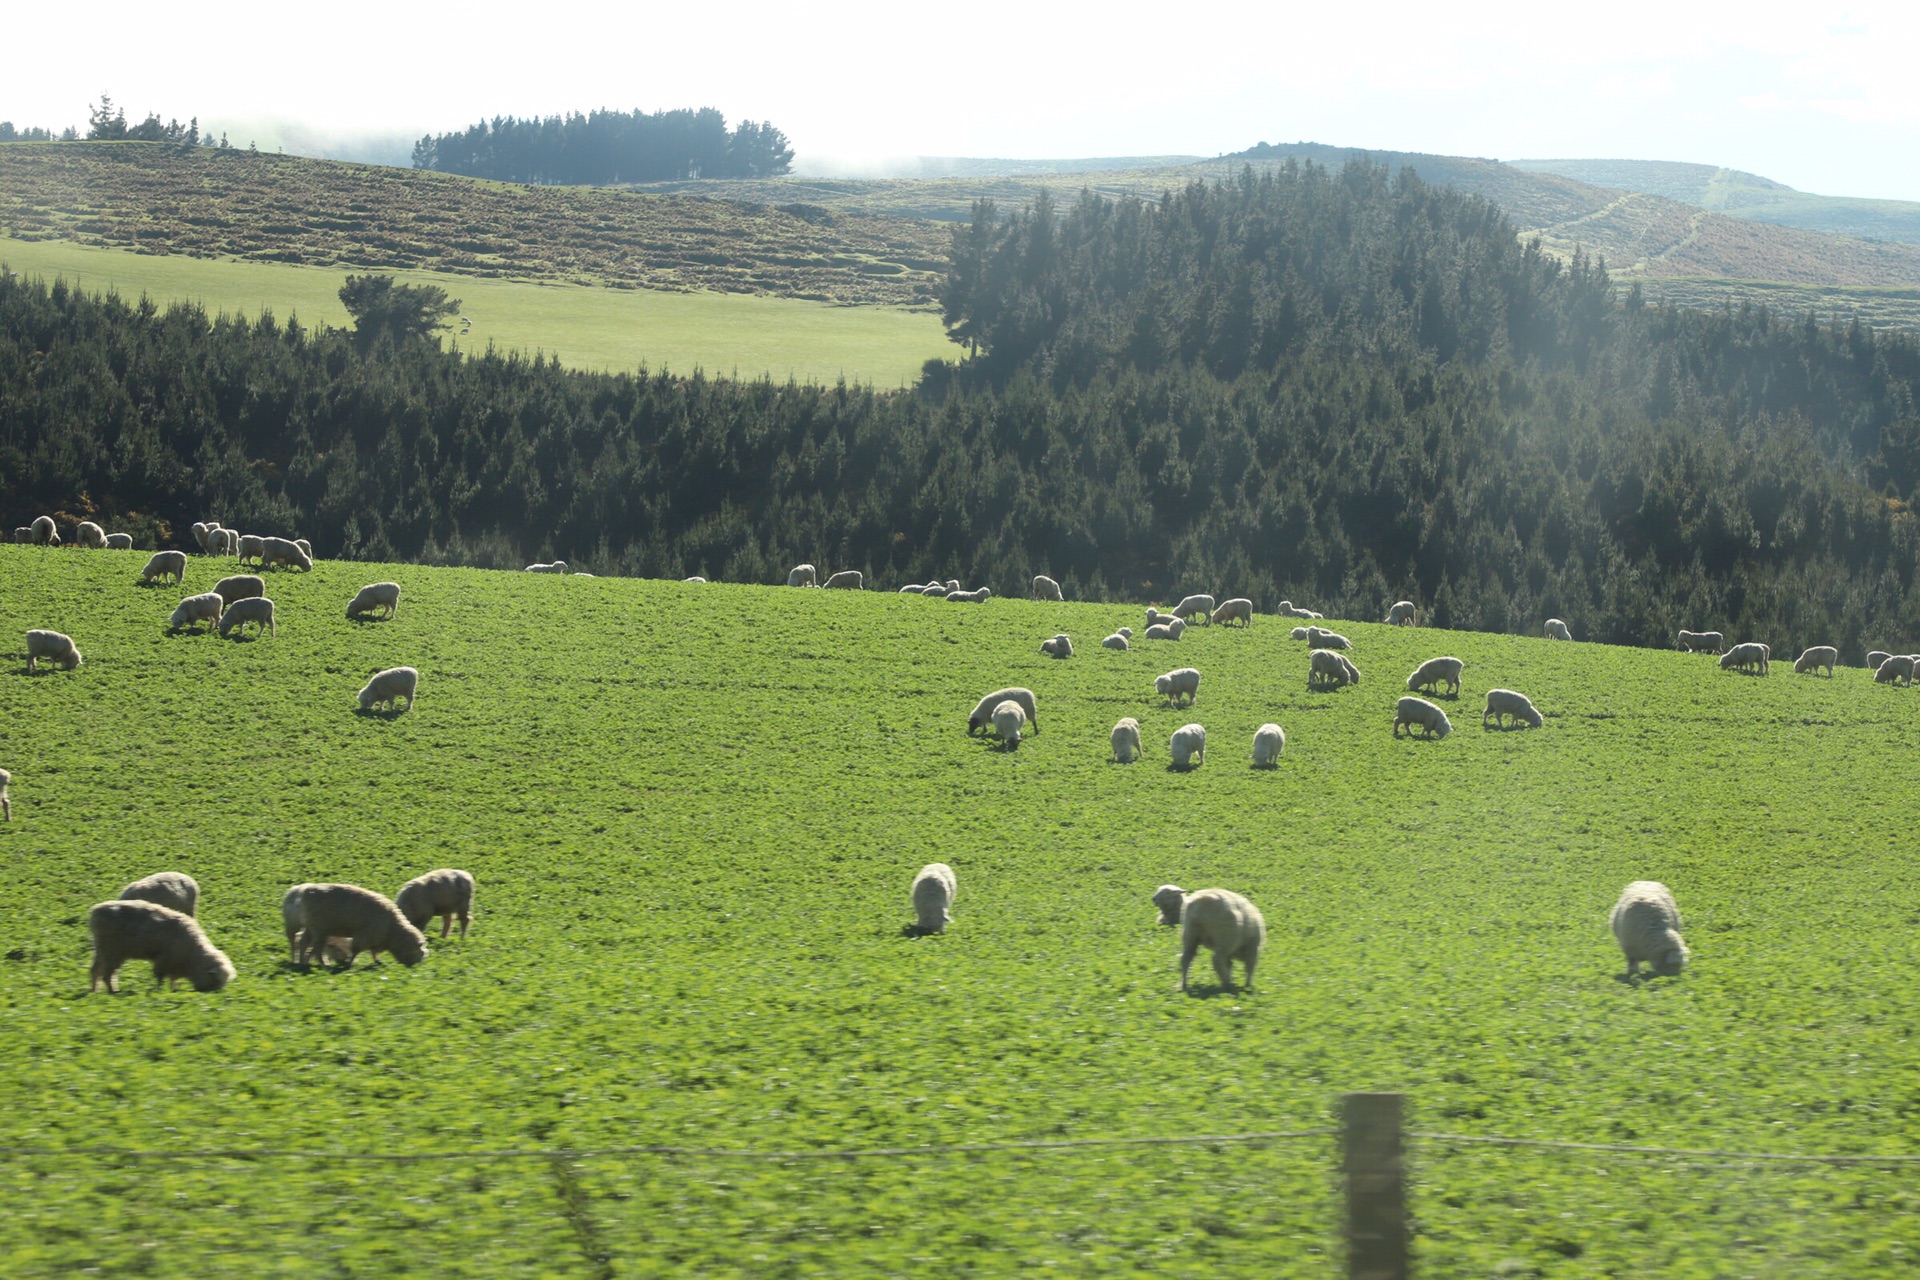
[1008,721]
[1409,712]
[23,533]
[1505,704]
[1126,740]
[1169,899]
[223,542]
[845,580]
[979,595]
[1430,674]
[240,586]
[951,584]
[578,574]
[44,532]
[200,528]
[801,575]
[1749,656]
[175,889]
[1176,627]
[175,943]
[1646,924]
[250,547]
[1116,641]
[983,710]
[1183,683]
[6,805]
[1189,746]
[1194,604]
[539,566]
[1161,631]
[306,547]
[1239,608]
[1898,667]
[1156,618]
[695,578]
[1269,740]
[1400,613]
[54,647]
[375,596]
[166,565]
[1299,633]
[284,551]
[1327,669]
[1045,588]
[387,687]
[1702,641]
[119,542]
[1321,638]
[1877,657]
[1557,630]
[1125,633]
[1227,925]
[934,890]
[1820,655]
[255,609]
[205,607]
[90,536]
[315,913]
[446,893]
[913,589]
[1058,647]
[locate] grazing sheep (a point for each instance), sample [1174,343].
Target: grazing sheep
[979,595]
[1239,608]
[1008,721]
[54,647]
[173,889]
[389,686]
[1418,711]
[1194,604]
[369,921]
[1175,685]
[175,943]
[375,596]
[1116,641]
[1702,641]
[1557,630]
[1750,656]
[223,542]
[445,893]
[983,710]
[1126,740]
[1646,924]
[1227,925]
[1820,655]
[23,533]
[845,580]
[44,532]
[1299,633]
[801,575]
[90,536]
[1327,669]
[934,890]
[1321,638]
[164,565]
[1189,746]
[119,542]
[250,547]
[1169,898]
[306,547]
[1430,674]
[1898,667]
[1045,588]
[1400,614]
[205,607]
[1875,658]
[1503,704]
[240,586]
[1269,740]
[255,609]
[1058,647]
[6,805]
[282,551]
[1161,631]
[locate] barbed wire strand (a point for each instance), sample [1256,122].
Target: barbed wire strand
[1657,1151]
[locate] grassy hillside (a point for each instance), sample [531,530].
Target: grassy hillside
[694,812]
[583,326]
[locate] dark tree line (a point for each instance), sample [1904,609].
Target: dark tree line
[1332,388]
[605,147]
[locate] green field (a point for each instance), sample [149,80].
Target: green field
[584,326]
[694,812]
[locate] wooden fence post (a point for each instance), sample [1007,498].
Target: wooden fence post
[1376,1187]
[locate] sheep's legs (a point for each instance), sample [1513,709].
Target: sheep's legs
[1223,968]
[1186,962]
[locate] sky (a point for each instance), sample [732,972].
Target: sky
[1822,97]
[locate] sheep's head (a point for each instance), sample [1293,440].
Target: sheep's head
[1169,898]
[407,944]
[1671,960]
[1163,684]
[213,973]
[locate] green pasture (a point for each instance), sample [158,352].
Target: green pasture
[694,813]
[583,326]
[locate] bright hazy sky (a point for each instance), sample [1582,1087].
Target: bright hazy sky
[1823,97]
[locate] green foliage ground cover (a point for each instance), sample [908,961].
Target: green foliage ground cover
[694,812]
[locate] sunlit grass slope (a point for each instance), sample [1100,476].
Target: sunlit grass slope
[694,812]
[583,326]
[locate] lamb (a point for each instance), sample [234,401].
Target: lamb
[173,941]
[44,532]
[845,580]
[801,575]
[1698,641]
[281,551]
[983,710]
[1239,608]
[205,608]
[445,893]
[1557,630]
[387,687]
[1321,638]
[1269,740]
[250,547]
[1169,898]
[1505,704]
[1898,667]
[1750,656]
[6,805]
[978,595]
[1116,641]
[1058,647]
[1189,746]
[90,536]
[1418,711]
[165,564]
[240,586]
[173,889]
[1008,721]
[1200,604]
[1045,588]
[119,542]
[1431,673]
[256,609]
[1227,925]
[1820,655]
[1325,668]
[1646,924]
[933,892]
[1875,658]
[369,921]
[375,596]
[54,647]
[1175,685]
[1126,740]
[1400,614]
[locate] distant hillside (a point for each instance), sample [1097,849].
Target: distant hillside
[970,166]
